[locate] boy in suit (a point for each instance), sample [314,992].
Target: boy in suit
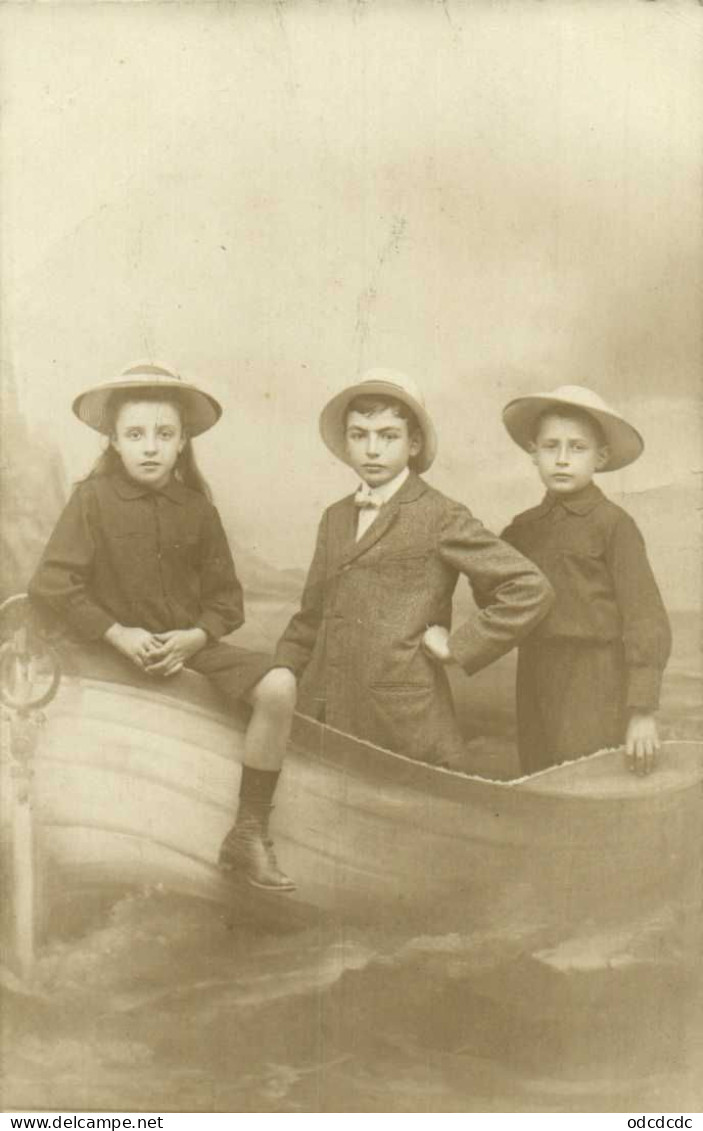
[372,638]
[589,677]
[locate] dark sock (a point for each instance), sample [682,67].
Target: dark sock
[258,786]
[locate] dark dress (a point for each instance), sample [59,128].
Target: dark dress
[600,653]
[158,560]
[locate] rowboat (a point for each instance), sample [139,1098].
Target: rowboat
[109,778]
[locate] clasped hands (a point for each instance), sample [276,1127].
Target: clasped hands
[157,653]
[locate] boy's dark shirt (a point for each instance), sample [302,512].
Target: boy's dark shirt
[124,553]
[595,557]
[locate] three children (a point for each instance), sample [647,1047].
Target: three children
[139,560]
[589,676]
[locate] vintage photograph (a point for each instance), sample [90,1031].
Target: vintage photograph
[350,556]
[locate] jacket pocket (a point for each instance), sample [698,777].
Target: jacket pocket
[401,715]
[182,549]
[581,548]
[400,687]
[584,563]
[131,554]
[404,569]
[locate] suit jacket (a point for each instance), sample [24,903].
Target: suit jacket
[357,640]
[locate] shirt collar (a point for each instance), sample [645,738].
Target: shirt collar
[580,503]
[387,490]
[128,488]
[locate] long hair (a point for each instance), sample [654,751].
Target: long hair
[186,470]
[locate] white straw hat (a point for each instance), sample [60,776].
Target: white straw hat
[201,409]
[521,415]
[383,383]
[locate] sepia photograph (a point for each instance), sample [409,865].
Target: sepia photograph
[351,708]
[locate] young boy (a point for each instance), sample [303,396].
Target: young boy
[372,639]
[589,676]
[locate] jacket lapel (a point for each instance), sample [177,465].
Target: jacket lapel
[387,516]
[342,528]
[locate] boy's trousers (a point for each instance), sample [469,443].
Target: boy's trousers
[570,700]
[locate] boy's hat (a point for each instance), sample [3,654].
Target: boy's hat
[383,383]
[201,409]
[521,415]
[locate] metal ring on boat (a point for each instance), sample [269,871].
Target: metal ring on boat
[10,656]
[13,652]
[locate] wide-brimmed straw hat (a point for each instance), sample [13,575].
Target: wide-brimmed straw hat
[521,415]
[201,409]
[382,383]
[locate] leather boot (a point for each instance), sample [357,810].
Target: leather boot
[248,850]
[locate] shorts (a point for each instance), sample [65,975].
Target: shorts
[233,671]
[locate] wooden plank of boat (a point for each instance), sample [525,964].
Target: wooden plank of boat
[136,782]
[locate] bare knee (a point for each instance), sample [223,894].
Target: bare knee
[275,694]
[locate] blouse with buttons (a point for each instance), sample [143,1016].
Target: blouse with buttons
[592,552]
[127,554]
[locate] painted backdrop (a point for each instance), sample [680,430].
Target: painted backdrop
[496,196]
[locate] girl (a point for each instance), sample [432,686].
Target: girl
[140,560]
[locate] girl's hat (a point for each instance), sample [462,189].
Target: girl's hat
[521,415]
[382,383]
[202,410]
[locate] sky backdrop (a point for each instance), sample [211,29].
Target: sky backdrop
[497,197]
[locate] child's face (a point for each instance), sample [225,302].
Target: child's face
[567,452]
[379,446]
[149,437]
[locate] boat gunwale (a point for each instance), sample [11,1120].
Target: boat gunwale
[376,763]
[417,773]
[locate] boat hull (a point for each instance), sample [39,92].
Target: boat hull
[137,784]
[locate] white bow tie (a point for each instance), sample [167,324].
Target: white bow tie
[367,502]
